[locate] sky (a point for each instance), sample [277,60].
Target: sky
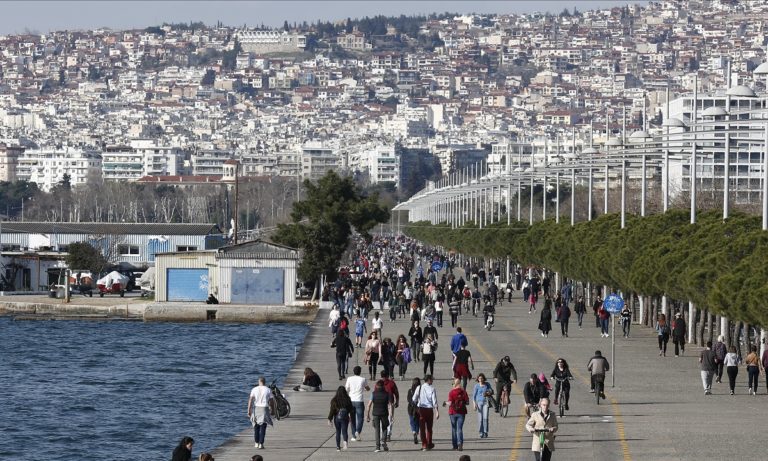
[46,16]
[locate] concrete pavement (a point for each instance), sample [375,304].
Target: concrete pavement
[657,411]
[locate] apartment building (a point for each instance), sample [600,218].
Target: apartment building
[746,150]
[9,157]
[316,160]
[46,167]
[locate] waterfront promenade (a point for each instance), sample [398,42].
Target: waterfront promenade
[657,411]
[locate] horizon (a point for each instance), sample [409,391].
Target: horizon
[124,15]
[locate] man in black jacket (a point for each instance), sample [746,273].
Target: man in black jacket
[503,374]
[533,392]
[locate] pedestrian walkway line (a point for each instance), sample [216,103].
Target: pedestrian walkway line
[521,418]
[614,403]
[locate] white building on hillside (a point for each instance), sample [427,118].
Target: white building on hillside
[47,167]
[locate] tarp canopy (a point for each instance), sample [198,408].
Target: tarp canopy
[113,278]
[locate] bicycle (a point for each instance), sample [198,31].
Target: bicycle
[279,407]
[531,409]
[561,396]
[504,400]
[599,385]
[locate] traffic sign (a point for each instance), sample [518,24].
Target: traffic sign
[613,304]
[437,266]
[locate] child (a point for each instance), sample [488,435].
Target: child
[360,330]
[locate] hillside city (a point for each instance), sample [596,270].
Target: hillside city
[394,101]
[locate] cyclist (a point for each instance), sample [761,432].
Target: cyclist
[562,374]
[488,311]
[503,375]
[533,391]
[598,366]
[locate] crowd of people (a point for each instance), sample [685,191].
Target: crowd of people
[395,281]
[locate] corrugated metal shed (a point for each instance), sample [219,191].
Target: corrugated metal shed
[223,263]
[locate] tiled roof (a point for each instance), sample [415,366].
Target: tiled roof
[109,228]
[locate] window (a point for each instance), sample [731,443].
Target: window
[128,250]
[186,248]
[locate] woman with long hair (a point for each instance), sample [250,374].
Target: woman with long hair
[183,451]
[663,331]
[372,353]
[562,376]
[311,382]
[341,409]
[402,356]
[481,396]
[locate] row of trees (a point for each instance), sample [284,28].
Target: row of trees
[717,264]
[263,202]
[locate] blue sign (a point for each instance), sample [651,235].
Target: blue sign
[437,266]
[613,304]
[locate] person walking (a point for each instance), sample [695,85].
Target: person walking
[428,349]
[732,367]
[626,319]
[360,330]
[376,323]
[596,306]
[678,334]
[391,387]
[663,331]
[532,301]
[481,398]
[543,425]
[545,320]
[402,356]
[764,361]
[356,386]
[382,409]
[344,350]
[439,313]
[564,318]
[720,351]
[417,337]
[258,411]
[457,412]
[425,397]
[462,361]
[708,367]
[339,415]
[458,340]
[372,353]
[753,369]
[605,320]
[504,374]
[580,308]
[388,352]
[430,330]
[454,309]
[413,410]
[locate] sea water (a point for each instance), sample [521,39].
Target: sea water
[126,390]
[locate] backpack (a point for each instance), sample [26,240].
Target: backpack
[459,404]
[665,329]
[406,354]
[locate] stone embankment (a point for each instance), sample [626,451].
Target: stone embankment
[39,307]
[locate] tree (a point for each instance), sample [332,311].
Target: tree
[84,256]
[324,221]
